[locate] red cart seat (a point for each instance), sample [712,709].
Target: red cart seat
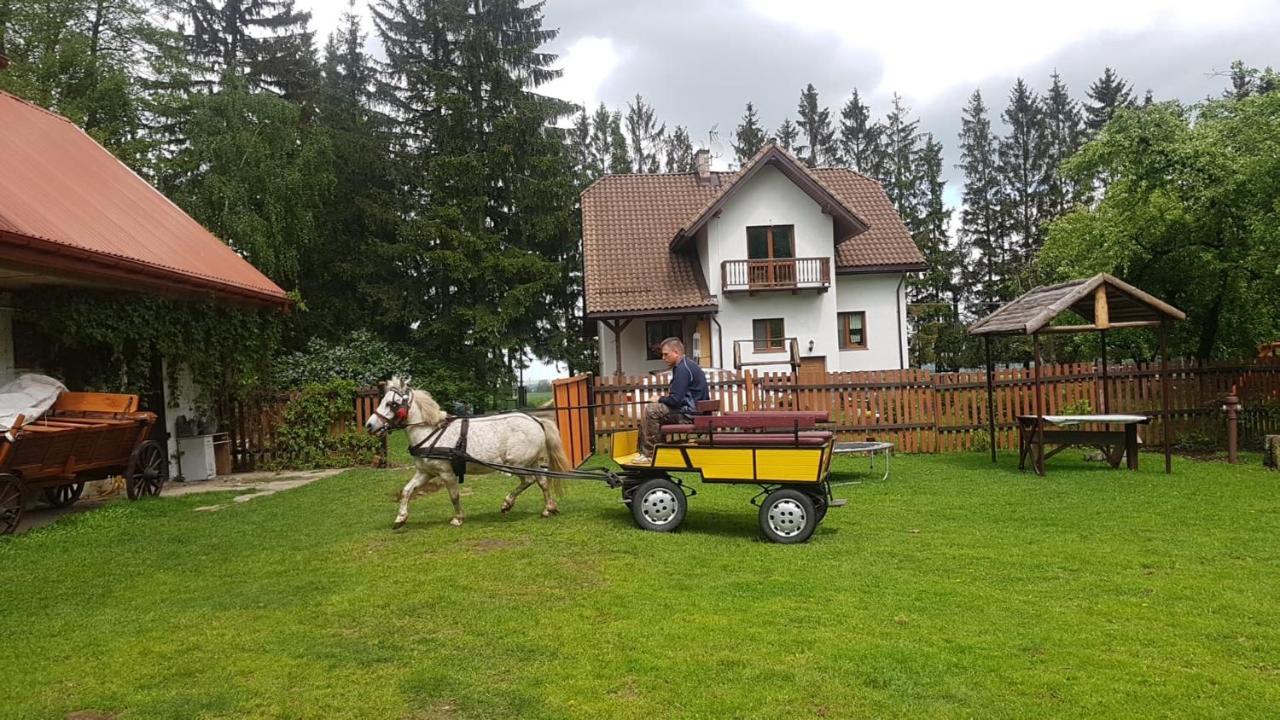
[806,438]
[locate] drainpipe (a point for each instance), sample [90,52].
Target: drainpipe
[897,298]
[719,340]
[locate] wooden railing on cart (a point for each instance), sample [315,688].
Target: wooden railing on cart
[922,411]
[252,425]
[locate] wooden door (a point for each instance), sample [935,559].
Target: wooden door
[813,371]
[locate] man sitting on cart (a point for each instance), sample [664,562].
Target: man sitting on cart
[688,386]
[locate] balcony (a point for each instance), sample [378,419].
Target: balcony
[794,274]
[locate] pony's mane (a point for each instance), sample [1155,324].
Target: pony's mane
[428,408]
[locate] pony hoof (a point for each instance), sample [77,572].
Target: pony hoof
[397,525]
[550,512]
[505,508]
[456,522]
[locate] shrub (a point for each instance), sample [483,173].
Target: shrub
[317,431]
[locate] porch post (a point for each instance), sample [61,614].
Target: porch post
[1106,395]
[1039,458]
[991,396]
[1164,395]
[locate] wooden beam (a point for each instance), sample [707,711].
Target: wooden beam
[1101,314]
[991,397]
[1164,397]
[1095,328]
[1038,460]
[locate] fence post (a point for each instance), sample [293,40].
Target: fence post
[1232,406]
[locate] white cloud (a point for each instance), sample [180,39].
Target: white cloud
[927,47]
[586,64]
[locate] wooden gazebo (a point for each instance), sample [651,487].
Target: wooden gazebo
[1112,304]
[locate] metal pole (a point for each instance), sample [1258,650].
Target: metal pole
[1164,396]
[1106,394]
[991,398]
[1039,458]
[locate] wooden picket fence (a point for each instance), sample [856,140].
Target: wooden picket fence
[252,425]
[922,411]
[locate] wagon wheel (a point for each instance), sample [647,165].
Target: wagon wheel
[819,507]
[146,472]
[11,497]
[658,505]
[63,495]
[788,516]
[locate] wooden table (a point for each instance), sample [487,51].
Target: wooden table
[1034,434]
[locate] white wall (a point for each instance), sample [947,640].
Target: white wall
[633,348]
[179,399]
[878,297]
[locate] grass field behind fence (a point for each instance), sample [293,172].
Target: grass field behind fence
[951,590]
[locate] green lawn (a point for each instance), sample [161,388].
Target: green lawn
[951,590]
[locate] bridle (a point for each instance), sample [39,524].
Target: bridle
[399,407]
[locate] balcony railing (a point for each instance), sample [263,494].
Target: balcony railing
[776,274]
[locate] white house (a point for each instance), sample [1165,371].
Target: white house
[748,267]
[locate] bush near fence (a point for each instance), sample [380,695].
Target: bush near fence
[923,411]
[258,442]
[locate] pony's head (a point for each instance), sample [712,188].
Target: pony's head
[393,411]
[399,400]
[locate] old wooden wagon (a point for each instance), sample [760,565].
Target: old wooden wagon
[84,436]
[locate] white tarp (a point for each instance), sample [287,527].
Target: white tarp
[30,396]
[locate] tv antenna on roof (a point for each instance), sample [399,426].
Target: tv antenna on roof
[714,146]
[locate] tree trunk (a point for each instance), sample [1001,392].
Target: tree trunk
[1209,332]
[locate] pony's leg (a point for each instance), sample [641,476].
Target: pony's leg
[550,507]
[510,500]
[455,494]
[418,478]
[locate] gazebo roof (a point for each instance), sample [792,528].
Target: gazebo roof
[1110,302]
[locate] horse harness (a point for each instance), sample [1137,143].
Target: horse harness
[457,455]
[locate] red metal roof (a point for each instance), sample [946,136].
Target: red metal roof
[69,207]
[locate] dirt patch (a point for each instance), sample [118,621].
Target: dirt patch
[489,545]
[439,711]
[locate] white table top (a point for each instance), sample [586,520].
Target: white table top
[1079,419]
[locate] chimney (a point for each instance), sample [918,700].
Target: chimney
[702,159]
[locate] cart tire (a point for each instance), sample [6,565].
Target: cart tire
[658,505]
[788,516]
[63,495]
[146,472]
[12,497]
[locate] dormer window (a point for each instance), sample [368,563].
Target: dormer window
[767,242]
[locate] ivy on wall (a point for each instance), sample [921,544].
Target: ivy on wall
[109,341]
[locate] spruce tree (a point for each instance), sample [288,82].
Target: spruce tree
[600,146]
[815,126]
[937,337]
[787,134]
[982,231]
[1109,93]
[585,168]
[266,42]
[487,244]
[646,136]
[860,137]
[680,151]
[1023,171]
[1063,135]
[619,157]
[749,137]
[900,173]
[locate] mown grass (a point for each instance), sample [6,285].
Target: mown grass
[954,589]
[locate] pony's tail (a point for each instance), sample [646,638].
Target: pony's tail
[556,457]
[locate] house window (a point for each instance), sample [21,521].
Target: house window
[853,330]
[767,335]
[655,331]
[765,242]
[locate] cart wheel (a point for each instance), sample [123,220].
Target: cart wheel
[658,505]
[11,501]
[788,516]
[146,472]
[63,495]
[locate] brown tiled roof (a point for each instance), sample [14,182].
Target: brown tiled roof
[68,205]
[628,222]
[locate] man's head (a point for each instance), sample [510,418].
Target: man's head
[672,351]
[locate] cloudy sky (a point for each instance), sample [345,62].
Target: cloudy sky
[699,61]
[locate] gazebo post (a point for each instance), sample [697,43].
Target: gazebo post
[1106,394]
[1164,395]
[991,396]
[1039,459]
